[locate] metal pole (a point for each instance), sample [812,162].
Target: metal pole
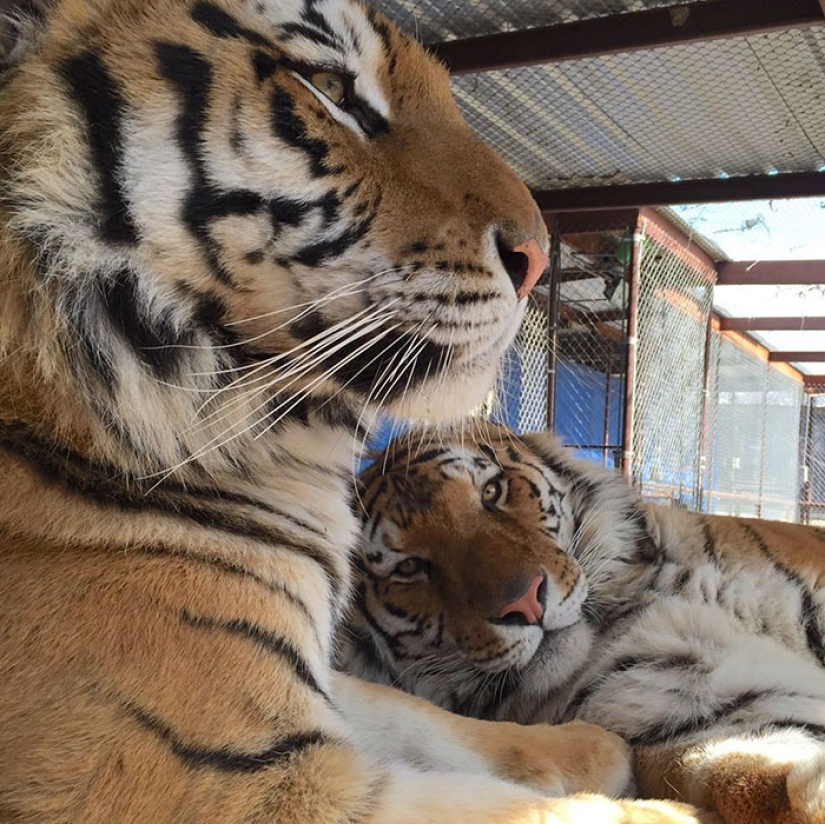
[553,308]
[805,487]
[609,372]
[763,455]
[632,345]
[703,421]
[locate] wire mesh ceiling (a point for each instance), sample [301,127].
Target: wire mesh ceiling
[738,106]
[434,20]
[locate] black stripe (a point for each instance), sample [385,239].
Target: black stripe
[225,567]
[153,337]
[291,30]
[226,760]
[268,640]
[103,105]
[364,371]
[810,613]
[816,730]
[317,253]
[264,65]
[110,487]
[709,545]
[669,730]
[360,601]
[218,22]
[191,74]
[292,130]
[371,122]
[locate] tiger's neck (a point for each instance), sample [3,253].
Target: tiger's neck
[153,386]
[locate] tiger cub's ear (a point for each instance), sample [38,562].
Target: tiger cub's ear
[21,24]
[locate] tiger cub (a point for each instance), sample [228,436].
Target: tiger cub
[230,230]
[500,578]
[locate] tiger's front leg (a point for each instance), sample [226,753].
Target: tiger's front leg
[459,769]
[555,760]
[776,777]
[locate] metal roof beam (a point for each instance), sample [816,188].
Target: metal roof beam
[685,23]
[815,381]
[599,221]
[670,193]
[798,324]
[771,273]
[797,357]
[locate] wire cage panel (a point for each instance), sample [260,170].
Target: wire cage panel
[812,507]
[739,432]
[779,491]
[674,304]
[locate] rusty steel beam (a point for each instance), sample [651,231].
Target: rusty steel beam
[815,381]
[672,193]
[633,31]
[797,324]
[797,357]
[771,272]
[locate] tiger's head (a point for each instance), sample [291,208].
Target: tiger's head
[481,566]
[246,213]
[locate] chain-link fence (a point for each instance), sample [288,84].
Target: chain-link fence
[753,434]
[674,303]
[567,368]
[715,426]
[590,341]
[812,505]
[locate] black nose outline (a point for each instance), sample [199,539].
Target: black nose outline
[515,264]
[518,619]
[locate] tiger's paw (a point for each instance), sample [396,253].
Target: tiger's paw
[565,759]
[775,786]
[761,792]
[586,809]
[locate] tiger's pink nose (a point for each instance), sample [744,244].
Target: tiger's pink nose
[537,260]
[528,605]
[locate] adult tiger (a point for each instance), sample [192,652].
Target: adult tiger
[503,579]
[226,230]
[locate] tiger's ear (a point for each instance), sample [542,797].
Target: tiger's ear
[22,23]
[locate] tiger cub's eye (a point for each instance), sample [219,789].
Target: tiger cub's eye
[492,492]
[330,84]
[409,567]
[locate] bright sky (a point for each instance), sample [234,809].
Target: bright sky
[769,230]
[762,229]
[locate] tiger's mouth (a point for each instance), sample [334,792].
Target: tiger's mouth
[407,355]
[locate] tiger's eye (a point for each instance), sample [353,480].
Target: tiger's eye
[331,85]
[491,492]
[409,567]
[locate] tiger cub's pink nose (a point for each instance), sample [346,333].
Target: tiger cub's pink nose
[528,605]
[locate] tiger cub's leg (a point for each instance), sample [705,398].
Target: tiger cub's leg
[776,777]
